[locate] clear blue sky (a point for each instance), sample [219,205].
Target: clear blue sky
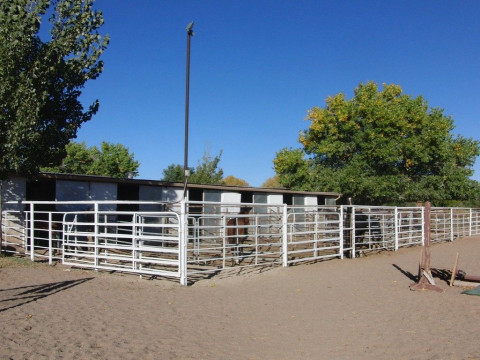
[258,66]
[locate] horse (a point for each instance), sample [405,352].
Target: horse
[237,231]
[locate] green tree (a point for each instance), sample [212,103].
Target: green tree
[381,146]
[234,181]
[40,81]
[79,160]
[272,183]
[174,173]
[116,161]
[207,172]
[112,160]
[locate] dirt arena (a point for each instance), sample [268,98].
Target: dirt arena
[339,309]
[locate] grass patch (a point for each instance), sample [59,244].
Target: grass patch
[13,261]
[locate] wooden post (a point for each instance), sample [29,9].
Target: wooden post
[425,278]
[454,270]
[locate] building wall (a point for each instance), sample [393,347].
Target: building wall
[67,190]
[14,189]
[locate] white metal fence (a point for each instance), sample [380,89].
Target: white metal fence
[194,239]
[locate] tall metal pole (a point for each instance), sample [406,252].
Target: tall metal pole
[187,100]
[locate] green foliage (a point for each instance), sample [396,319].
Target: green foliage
[207,172]
[234,181]
[272,183]
[174,173]
[381,147]
[112,160]
[40,81]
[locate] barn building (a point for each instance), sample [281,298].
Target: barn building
[68,187]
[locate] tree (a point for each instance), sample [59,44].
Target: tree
[116,161]
[381,146]
[233,181]
[207,172]
[79,160]
[174,173]
[112,160]
[272,183]
[40,81]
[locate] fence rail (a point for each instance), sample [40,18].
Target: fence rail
[190,239]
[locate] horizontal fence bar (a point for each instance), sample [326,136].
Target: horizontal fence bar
[195,239]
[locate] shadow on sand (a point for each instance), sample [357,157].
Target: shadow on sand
[15,297]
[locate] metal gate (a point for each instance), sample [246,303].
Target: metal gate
[139,242]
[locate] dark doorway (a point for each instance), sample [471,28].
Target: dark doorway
[128,192]
[246,197]
[288,199]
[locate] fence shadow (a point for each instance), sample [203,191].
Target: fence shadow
[406,273]
[230,272]
[15,297]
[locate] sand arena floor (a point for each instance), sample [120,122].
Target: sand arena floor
[339,309]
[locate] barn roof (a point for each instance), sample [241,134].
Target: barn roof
[97,178]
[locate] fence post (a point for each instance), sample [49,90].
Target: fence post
[352,232]
[340,226]
[284,237]
[95,236]
[182,248]
[423,225]
[396,227]
[32,233]
[470,223]
[50,250]
[224,241]
[451,224]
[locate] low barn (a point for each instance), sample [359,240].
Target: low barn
[66,187]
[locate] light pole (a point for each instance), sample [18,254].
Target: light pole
[186,172]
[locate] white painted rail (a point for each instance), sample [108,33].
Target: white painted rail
[192,240]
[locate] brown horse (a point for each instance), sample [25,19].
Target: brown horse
[237,231]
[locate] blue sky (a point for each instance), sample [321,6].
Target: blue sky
[258,66]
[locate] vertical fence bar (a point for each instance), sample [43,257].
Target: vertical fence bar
[257,226]
[182,248]
[95,235]
[352,233]
[396,227]
[50,250]
[423,226]
[32,233]
[340,222]
[470,223]
[284,237]
[224,241]
[135,234]
[451,225]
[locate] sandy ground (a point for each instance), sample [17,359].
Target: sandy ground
[339,309]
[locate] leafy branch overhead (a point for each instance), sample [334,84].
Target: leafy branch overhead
[381,146]
[41,81]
